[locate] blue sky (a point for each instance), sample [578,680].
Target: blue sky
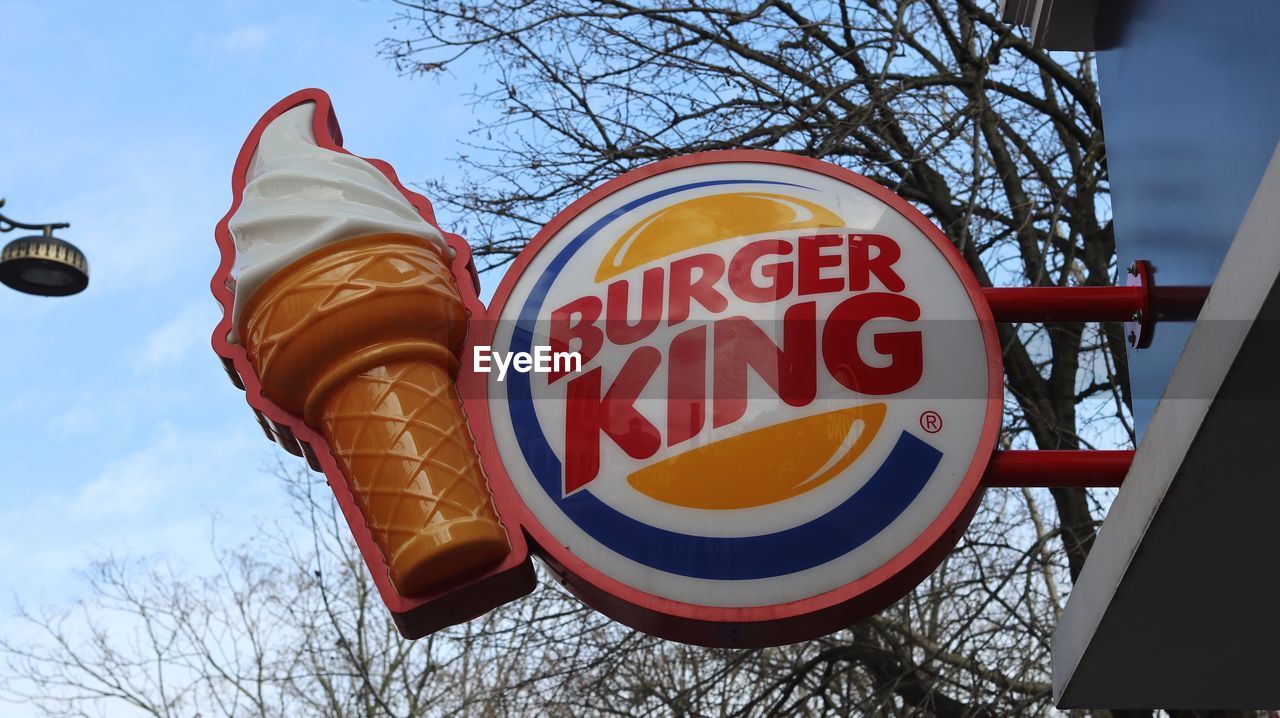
[118,428]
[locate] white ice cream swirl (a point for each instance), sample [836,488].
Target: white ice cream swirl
[300,197]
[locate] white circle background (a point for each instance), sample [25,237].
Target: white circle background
[955,384]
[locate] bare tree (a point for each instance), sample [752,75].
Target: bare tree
[288,625]
[999,142]
[291,625]
[996,140]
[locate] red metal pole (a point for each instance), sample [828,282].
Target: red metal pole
[1058,468]
[1094,304]
[1140,305]
[1065,304]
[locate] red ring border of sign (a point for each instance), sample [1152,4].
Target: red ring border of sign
[472,596]
[761,625]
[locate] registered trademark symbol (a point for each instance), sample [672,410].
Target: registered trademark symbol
[931,421]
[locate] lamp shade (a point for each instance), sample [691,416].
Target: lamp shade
[44,265]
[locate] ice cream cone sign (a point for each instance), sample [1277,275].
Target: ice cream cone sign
[698,396]
[346,309]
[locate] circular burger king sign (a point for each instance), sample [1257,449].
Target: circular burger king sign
[789,388]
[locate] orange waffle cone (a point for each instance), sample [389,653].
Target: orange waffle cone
[360,339]
[399,434]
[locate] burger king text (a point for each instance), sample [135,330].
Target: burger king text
[785,271]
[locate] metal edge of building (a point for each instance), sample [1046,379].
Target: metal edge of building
[1117,642]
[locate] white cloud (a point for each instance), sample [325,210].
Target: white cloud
[174,469]
[158,500]
[171,342]
[131,486]
[152,219]
[79,419]
[250,38]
